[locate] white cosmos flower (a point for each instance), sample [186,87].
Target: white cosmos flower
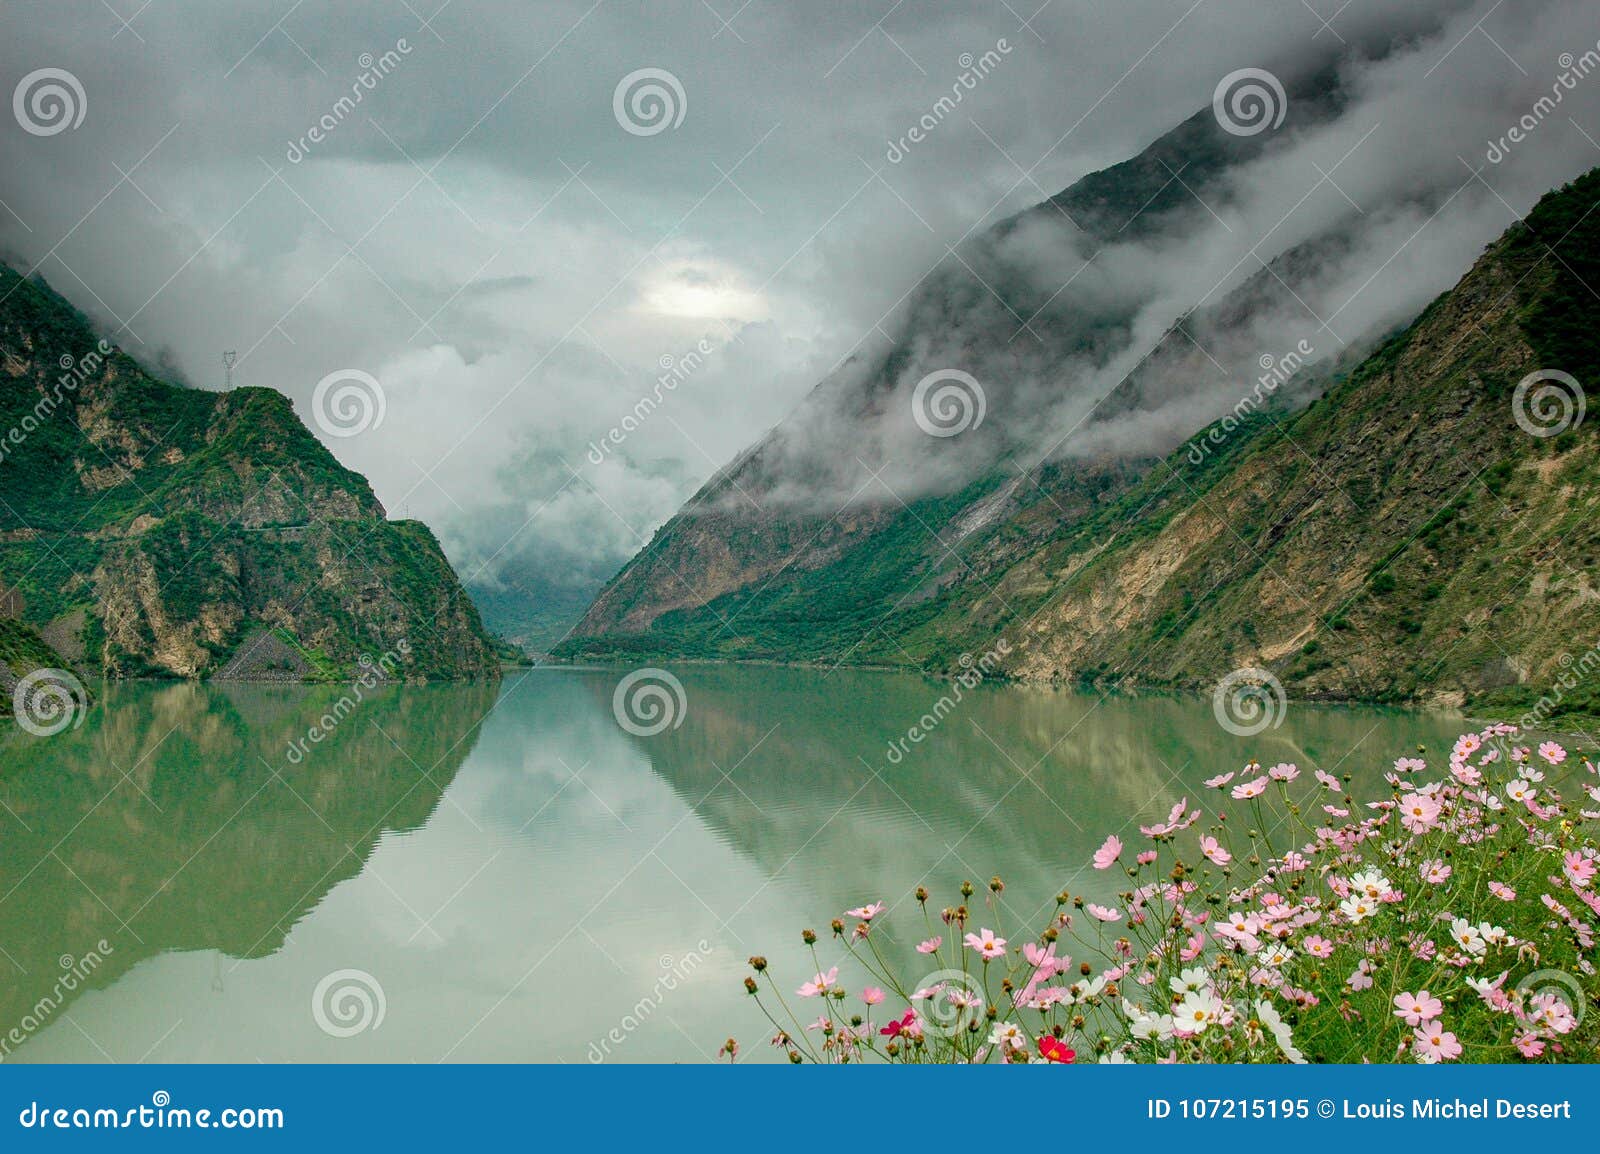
[1269,1017]
[1357,909]
[1197,1011]
[1466,935]
[1189,979]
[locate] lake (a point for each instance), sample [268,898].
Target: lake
[507,873]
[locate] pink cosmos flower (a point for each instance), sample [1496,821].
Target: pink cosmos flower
[1362,978]
[1104,913]
[1417,1008]
[1435,1044]
[819,984]
[1318,946]
[1419,812]
[1326,779]
[1284,771]
[1107,854]
[1468,744]
[987,944]
[1528,1044]
[866,913]
[1248,789]
[1219,781]
[872,995]
[1213,850]
[1579,869]
[1552,753]
[1408,765]
[1502,891]
[1147,856]
[1435,872]
[927,947]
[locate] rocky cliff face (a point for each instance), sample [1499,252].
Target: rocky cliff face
[153,530]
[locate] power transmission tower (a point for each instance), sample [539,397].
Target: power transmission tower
[229,359]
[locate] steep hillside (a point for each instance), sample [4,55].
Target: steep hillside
[147,529]
[810,544]
[1402,537]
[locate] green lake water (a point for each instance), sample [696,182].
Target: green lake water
[505,873]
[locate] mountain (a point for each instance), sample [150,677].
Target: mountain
[152,530]
[1373,525]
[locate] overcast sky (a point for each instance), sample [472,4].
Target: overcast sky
[511,247]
